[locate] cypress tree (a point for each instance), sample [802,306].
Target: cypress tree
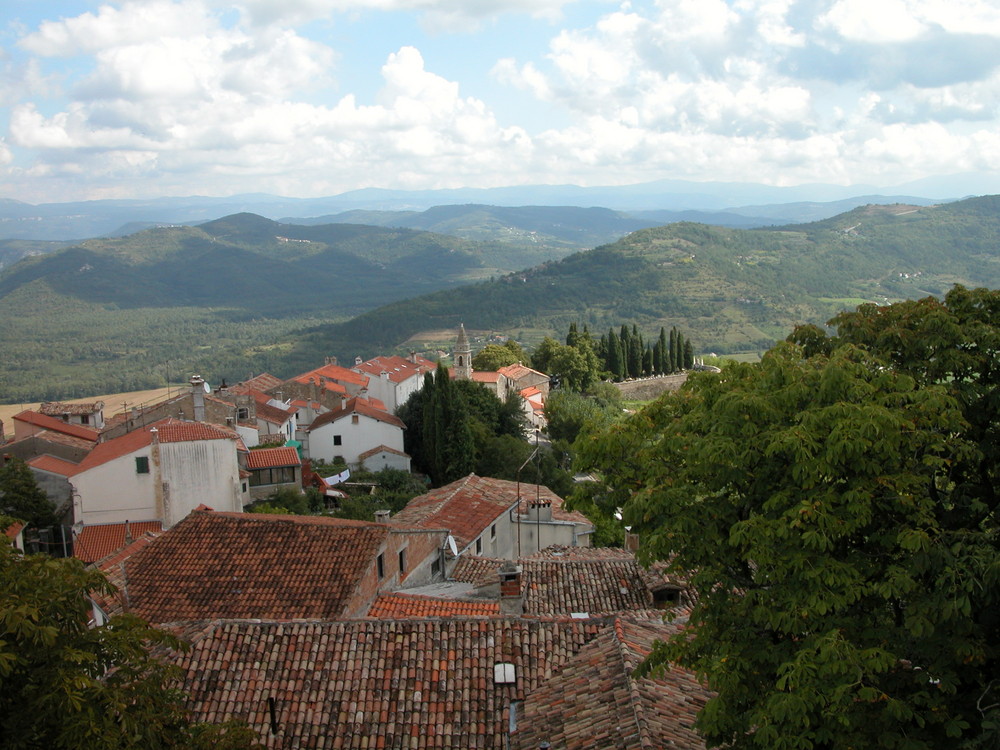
[688,355]
[663,365]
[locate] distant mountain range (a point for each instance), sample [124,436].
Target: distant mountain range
[244,294]
[729,204]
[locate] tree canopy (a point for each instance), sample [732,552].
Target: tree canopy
[21,497]
[834,509]
[64,684]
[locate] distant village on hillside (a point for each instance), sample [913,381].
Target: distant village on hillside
[478,616]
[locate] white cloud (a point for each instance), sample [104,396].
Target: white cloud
[439,14]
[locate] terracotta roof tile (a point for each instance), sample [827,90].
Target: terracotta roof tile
[426,683]
[358,405]
[515,372]
[265,458]
[97,541]
[396,368]
[58,408]
[381,449]
[564,580]
[333,374]
[60,438]
[53,465]
[168,430]
[469,505]
[465,507]
[57,425]
[252,565]
[595,701]
[401,605]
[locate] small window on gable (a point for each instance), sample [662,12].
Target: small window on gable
[380,566]
[479,546]
[142,464]
[493,531]
[402,561]
[354,419]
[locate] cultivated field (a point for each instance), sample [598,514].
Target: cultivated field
[113,404]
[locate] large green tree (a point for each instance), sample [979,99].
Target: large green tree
[65,684]
[834,508]
[21,497]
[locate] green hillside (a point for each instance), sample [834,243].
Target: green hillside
[244,294]
[732,290]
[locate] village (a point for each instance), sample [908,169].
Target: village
[480,615]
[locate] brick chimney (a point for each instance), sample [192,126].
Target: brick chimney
[511,599]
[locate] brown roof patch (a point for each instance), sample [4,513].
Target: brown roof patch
[374,683]
[251,565]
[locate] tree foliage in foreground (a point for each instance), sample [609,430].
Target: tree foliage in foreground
[21,497]
[66,685]
[834,507]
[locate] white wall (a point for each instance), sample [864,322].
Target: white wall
[355,439]
[181,477]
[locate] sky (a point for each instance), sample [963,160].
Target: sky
[308,98]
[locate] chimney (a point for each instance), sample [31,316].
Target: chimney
[631,540]
[198,396]
[413,357]
[511,600]
[540,510]
[357,361]
[382,516]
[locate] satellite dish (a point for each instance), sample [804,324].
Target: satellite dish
[452,545]
[207,387]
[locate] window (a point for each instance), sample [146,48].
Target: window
[84,419]
[402,561]
[141,464]
[380,566]
[242,413]
[337,440]
[354,419]
[493,531]
[479,546]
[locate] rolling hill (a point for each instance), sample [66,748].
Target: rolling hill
[245,294]
[731,290]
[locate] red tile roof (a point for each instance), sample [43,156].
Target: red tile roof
[518,371]
[466,507]
[564,580]
[358,405]
[374,683]
[58,408]
[168,430]
[60,438]
[240,565]
[485,376]
[401,605]
[52,465]
[14,529]
[96,542]
[381,449]
[396,368]
[57,425]
[595,701]
[266,458]
[262,382]
[333,374]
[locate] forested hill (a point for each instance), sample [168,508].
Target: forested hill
[249,262]
[730,290]
[566,228]
[245,294]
